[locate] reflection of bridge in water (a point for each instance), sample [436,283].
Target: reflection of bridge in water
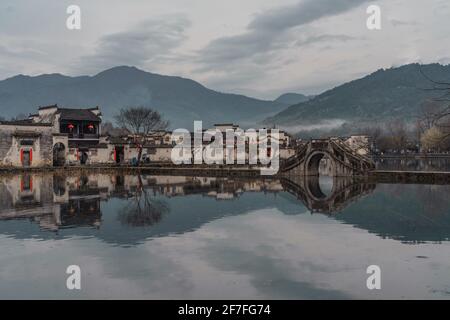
[75,204]
[65,201]
[300,175]
[344,192]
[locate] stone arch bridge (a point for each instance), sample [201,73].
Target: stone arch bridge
[344,161]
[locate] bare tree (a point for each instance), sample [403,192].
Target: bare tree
[140,121]
[108,128]
[426,119]
[398,134]
[436,114]
[375,134]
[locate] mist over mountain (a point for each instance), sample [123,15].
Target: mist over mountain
[180,100]
[395,93]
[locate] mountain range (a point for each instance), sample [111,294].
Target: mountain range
[387,94]
[179,100]
[382,96]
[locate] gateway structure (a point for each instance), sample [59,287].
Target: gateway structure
[54,136]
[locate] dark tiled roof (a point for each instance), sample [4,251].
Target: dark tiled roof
[88,145]
[48,107]
[77,114]
[25,122]
[26,134]
[158,146]
[102,146]
[18,122]
[117,140]
[83,144]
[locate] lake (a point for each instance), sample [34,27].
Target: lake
[166,237]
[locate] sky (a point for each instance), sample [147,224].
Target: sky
[261,48]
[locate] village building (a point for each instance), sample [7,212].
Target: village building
[77,135]
[359,143]
[24,143]
[157,147]
[54,137]
[57,136]
[284,141]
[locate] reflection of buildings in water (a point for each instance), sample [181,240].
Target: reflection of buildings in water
[219,188]
[61,201]
[48,200]
[58,201]
[416,213]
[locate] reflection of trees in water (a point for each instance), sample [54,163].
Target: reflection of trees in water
[142,210]
[432,200]
[435,199]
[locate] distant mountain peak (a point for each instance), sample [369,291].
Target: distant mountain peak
[121,70]
[383,95]
[291,98]
[179,100]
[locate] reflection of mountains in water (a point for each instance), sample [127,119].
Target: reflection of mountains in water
[409,213]
[68,203]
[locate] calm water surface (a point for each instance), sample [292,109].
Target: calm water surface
[152,237]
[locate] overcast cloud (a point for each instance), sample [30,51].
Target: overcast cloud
[147,44]
[257,47]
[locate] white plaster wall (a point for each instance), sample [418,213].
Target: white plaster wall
[40,157]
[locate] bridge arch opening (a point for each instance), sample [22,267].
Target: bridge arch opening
[320,169]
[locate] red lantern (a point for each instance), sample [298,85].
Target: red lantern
[70,126]
[91,126]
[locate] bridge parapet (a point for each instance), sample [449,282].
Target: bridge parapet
[344,160]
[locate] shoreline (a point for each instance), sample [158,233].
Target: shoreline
[412,156]
[375,176]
